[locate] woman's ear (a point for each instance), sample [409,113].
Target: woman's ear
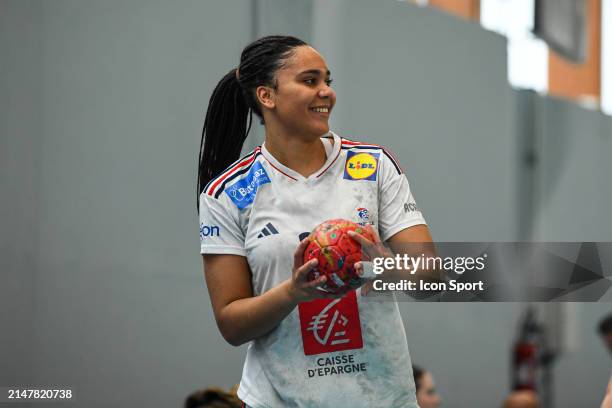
[266,97]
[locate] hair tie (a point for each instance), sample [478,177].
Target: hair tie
[238,73]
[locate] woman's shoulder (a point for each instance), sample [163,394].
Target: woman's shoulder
[349,142]
[241,168]
[358,143]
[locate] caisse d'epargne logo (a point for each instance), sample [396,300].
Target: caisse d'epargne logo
[330,325]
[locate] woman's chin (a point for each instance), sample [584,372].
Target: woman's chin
[321,130]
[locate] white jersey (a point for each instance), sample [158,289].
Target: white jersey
[328,352]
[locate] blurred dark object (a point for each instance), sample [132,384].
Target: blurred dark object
[562,25]
[533,354]
[426,394]
[604,328]
[214,397]
[525,359]
[605,331]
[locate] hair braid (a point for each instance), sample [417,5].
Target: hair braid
[233,101]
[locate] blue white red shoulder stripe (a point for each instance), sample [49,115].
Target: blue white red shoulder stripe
[215,186]
[350,144]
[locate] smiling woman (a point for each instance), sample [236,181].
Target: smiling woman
[253,211]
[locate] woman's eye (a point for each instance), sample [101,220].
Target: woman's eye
[313,81]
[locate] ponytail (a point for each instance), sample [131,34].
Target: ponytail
[233,102]
[225,129]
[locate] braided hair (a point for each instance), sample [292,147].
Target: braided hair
[232,104]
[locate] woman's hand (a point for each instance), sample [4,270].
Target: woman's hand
[300,288]
[371,250]
[411,241]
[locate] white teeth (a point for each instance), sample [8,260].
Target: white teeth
[321,110]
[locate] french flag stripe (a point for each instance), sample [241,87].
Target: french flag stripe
[240,164]
[234,175]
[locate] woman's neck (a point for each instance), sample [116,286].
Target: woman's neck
[299,154]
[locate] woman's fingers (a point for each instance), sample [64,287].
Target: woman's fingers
[298,255]
[302,272]
[360,239]
[331,295]
[374,233]
[359,270]
[367,246]
[315,283]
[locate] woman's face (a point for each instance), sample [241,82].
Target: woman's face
[427,397]
[303,98]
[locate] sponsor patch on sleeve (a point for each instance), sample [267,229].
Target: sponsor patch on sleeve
[361,166]
[208,231]
[242,193]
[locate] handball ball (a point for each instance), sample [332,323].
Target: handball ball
[337,253]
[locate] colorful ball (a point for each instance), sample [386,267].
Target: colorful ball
[337,253]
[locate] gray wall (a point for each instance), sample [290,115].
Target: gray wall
[101,279]
[111,269]
[574,190]
[20,134]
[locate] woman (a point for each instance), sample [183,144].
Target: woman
[307,347]
[426,393]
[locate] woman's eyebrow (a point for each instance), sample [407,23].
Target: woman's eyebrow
[314,72]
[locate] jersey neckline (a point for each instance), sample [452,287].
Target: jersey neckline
[332,155]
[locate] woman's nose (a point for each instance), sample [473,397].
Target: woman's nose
[326,92]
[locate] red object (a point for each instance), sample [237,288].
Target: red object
[330,325]
[525,366]
[337,253]
[526,354]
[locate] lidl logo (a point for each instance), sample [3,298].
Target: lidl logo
[361,166]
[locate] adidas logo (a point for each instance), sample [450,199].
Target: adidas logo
[267,230]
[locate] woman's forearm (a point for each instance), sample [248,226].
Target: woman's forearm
[246,319]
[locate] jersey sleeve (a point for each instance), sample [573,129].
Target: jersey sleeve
[397,207]
[220,231]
